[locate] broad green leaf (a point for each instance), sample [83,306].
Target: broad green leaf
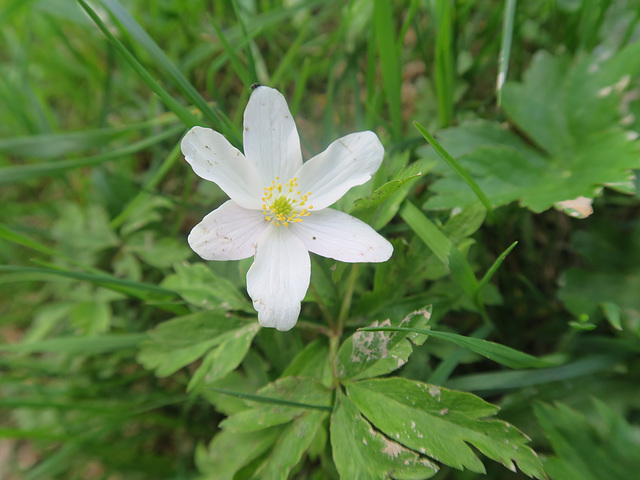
[157,250]
[493,351]
[225,358]
[312,362]
[294,440]
[228,452]
[572,112]
[176,343]
[199,286]
[442,424]
[362,453]
[589,449]
[371,354]
[293,392]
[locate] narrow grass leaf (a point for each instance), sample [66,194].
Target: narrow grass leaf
[442,247]
[459,169]
[501,354]
[444,60]
[215,117]
[389,62]
[505,46]
[78,345]
[181,112]
[19,173]
[487,276]
[270,400]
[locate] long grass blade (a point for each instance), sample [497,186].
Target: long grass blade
[505,46]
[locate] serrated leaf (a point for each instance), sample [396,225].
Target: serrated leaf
[362,453]
[366,206]
[571,112]
[159,252]
[370,354]
[294,440]
[228,452]
[176,343]
[441,423]
[604,447]
[225,358]
[298,390]
[312,362]
[199,286]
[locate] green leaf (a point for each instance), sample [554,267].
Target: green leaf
[78,345]
[291,445]
[365,207]
[214,116]
[312,362]
[365,355]
[442,247]
[493,351]
[199,286]
[228,452]
[288,398]
[159,252]
[459,169]
[442,424]
[589,449]
[225,358]
[176,343]
[362,453]
[572,112]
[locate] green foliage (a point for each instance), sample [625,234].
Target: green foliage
[125,356]
[605,446]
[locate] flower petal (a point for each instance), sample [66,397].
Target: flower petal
[279,277]
[271,141]
[230,232]
[336,235]
[347,162]
[213,158]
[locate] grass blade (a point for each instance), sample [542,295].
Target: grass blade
[275,401]
[389,62]
[181,112]
[505,46]
[442,247]
[459,169]
[501,354]
[444,61]
[19,173]
[215,117]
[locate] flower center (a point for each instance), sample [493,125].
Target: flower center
[284,204]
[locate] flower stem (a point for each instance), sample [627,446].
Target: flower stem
[346,302]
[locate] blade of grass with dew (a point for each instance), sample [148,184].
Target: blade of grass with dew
[181,112]
[505,46]
[442,247]
[389,62]
[496,352]
[19,173]
[214,116]
[444,61]
[459,169]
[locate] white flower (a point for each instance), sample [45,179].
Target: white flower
[278,205]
